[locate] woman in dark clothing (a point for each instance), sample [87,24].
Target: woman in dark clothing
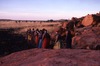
[68,39]
[36,37]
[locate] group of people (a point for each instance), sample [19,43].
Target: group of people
[42,39]
[64,41]
[38,38]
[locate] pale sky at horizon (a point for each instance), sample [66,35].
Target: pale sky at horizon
[47,9]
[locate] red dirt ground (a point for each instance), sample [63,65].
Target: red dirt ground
[50,57]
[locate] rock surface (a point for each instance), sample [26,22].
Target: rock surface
[87,38]
[91,20]
[88,20]
[49,57]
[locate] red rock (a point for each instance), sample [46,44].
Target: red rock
[48,57]
[88,37]
[91,20]
[88,20]
[64,24]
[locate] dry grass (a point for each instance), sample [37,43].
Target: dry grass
[50,26]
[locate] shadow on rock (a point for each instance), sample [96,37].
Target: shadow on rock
[11,42]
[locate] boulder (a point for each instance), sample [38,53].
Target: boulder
[91,20]
[87,38]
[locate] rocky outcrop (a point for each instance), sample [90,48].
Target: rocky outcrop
[91,20]
[73,23]
[87,38]
[48,57]
[64,24]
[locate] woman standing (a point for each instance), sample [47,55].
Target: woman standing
[68,39]
[40,39]
[46,40]
[58,43]
[36,38]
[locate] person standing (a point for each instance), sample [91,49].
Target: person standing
[57,41]
[40,39]
[46,40]
[29,38]
[36,38]
[33,37]
[68,39]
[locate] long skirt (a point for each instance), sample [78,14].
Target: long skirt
[57,45]
[46,43]
[36,40]
[68,44]
[40,43]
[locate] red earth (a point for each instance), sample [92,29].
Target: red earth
[51,57]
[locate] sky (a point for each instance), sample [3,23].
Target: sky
[47,9]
